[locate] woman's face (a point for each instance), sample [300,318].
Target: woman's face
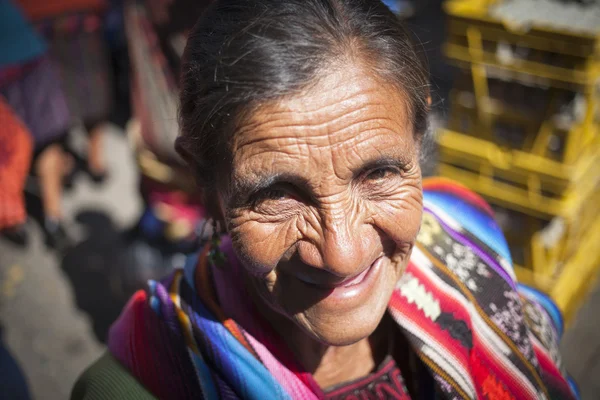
[325,202]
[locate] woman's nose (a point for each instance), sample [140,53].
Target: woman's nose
[344,249]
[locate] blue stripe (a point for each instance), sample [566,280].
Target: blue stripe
[248,376]
[574,388]
[207,384]
[189,269]
[478,223]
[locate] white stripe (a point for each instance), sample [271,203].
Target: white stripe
[546,351]
[453,367]
[441,362]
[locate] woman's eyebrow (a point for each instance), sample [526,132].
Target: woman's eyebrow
[246,187]
[380,162]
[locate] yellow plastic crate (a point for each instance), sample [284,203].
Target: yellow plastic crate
[579,274]
[519,180]
[560,61]
[486,103]
[547,122]
[565,276]
[554,55]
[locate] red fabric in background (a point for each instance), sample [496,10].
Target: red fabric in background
[15,158]
[41,9]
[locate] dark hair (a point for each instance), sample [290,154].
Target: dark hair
[242,53]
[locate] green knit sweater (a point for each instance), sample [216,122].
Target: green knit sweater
[106,379]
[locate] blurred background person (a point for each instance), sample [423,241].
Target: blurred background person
[31,86]
[73,29]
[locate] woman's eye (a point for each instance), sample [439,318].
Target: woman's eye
[274,194]
[380,173]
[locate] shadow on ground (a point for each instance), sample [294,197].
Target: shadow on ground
[92,266]
[108,266]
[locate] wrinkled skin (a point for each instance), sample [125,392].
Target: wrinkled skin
[323,185]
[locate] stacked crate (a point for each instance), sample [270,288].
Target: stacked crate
[523,131]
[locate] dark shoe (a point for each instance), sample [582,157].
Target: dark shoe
[56,236]
[98,178]
[16,234]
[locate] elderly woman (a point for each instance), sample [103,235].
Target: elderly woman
[334,271]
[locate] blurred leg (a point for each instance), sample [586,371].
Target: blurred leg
[50,171]
[49,168]
[96,163]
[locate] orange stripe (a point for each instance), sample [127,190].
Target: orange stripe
[183,318]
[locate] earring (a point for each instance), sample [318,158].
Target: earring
[215,255]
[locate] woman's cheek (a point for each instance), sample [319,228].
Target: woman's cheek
[260,245]
[400,217]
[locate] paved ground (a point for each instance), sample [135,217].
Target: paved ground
[55,310]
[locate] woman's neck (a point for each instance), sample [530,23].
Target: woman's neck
[343,364]
[333,365]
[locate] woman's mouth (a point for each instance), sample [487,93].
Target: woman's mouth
[357,279]
[357,288]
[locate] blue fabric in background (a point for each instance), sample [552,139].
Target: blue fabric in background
[19,42]
[13,385]
[393,5]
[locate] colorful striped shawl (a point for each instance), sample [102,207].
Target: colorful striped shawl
[479,333]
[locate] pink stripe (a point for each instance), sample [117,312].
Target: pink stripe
[290,382]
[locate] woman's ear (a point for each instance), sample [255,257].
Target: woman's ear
[212,204]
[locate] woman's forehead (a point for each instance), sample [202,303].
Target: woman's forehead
[344,109]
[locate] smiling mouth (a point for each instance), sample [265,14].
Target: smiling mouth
[349,282]
[356,280]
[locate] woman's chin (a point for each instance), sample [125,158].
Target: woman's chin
[340,338]
[343,329]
